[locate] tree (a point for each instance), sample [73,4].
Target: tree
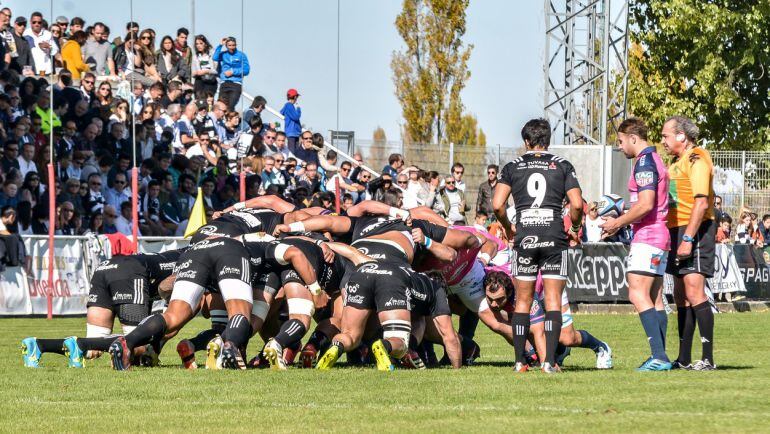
[378,136]
[431,72]
[465,132]
[703,59]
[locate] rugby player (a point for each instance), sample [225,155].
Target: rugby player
[693,238]
[380,286]
[429,301]
[232,265]
[648,188]
[539,181]
[122,287]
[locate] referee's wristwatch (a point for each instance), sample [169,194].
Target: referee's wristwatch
[687,239]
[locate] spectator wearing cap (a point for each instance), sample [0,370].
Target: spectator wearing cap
[63,22]
[202,123]
[292,113]
[233,67]
[41,43]
[23,62]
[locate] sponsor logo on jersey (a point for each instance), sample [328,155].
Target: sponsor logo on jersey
[380,222]
[418,295]
[206,244]
[530,269]
[536,217]
[255,261]
[655,260]
[189,274]
[106,265]
[352,288]
[357,299]
[208,230]
[395,302]
[643,179]
[374,269]
[92,298]
[229,270]
[642,159]
[167,266]
[182,265]
[524,260]
[248,218]
[533,242]
[122,297]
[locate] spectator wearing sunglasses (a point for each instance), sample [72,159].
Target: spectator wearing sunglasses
[23,63]
[119,192]
[451,204]
[42,44]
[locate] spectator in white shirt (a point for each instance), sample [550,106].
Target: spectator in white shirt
[26,159]
[41,43]
[346,185]
[593,233]
[118,194]
[123,222]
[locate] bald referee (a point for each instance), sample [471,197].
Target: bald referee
[693,232]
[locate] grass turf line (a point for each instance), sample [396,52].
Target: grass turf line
[483,398]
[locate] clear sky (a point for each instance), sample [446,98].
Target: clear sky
[293,43]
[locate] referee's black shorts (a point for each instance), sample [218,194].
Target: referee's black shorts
[703,251]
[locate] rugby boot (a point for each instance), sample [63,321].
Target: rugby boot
[120,355]
[329,358]
[30,353]
[73,353]
[274,354]
[381,356]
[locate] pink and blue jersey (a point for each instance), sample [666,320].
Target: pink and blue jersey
[649,173]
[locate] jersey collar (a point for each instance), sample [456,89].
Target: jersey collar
[648,150]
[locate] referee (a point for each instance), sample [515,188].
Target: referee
[693,230]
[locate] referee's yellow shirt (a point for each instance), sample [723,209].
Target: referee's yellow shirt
[691,175]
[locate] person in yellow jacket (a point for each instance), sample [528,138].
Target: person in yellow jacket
[49,117]
[72,55]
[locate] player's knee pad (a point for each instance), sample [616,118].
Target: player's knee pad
[132,314]
[259,309]
[397,329]
[218,317]
[300,306]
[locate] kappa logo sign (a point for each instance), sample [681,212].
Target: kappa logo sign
[603,275]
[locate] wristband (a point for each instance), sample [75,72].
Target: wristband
[314,288]
[399,213]
[239,205]
[297,227]
[687,239]
[484,258]
[427,242]
[319,242]
[575,229]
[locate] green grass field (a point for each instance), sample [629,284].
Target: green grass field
[487,397]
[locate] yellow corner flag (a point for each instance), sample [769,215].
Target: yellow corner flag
[197,216]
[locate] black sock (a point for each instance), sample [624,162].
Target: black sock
[339,346]
[95,344]
[238,330]
[51,346]
[388,346]
[520,325]
[663,322]
[151,328]
[320,341]
[705,317]
[686,322]
[413,344]
[201,340]
[552,332]
[291,331]
[468,323]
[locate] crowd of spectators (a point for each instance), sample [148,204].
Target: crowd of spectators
[170,105]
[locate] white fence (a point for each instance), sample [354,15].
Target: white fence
[24,290]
